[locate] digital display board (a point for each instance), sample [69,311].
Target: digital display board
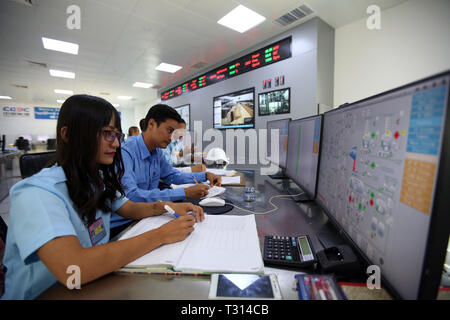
[275,52]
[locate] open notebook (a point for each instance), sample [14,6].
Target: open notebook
[219,244]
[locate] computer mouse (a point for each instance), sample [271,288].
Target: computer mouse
[212,202]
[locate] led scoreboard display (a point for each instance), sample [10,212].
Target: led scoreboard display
[270,54]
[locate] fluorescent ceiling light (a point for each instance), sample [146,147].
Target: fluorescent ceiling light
[61,46]
[166,67]
[60,101]
[116,105]
[241,19]
[63,91]
[124,97]
[5,97]
[62,74]
[142,85]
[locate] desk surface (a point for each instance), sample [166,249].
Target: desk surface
[289,219]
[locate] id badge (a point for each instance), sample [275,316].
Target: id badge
[97,231]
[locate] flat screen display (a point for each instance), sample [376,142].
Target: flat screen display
[278,142]
[235,110]
[303,152]
[184,112]
[274,102]
[379,170]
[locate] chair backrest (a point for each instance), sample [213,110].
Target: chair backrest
[31,163]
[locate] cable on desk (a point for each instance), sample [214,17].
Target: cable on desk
[270,201]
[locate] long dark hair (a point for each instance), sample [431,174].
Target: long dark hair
[84,116]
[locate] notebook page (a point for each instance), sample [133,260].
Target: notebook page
[223,244]
[167,254]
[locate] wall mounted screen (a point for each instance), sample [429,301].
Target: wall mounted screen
[270,54]
[235,110]
[274,102]
[185,113]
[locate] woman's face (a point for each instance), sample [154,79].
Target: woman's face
[108,143]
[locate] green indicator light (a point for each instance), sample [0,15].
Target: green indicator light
[372,195]
[364,209]
[270,59]
[267,50]
[373,165]
[232,72]
[268,55]
[373,135]
[380,190]
[360,206]
[270,50]
[232,67]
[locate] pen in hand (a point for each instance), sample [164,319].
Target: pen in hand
[171,211]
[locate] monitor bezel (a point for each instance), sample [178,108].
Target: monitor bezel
[302,186]
[274,114]
[252,89]
[267,138]
[439,228]
[189,107]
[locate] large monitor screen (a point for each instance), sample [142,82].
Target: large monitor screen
[235,110]
[278,142]
[303,152]
[184,112]
[274,102]
[378,177]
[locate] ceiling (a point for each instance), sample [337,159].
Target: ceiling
[122,41]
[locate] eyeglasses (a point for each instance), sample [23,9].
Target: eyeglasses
[111,135]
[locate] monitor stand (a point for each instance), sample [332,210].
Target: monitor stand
[281,174]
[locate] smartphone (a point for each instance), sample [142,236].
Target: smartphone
[244,286]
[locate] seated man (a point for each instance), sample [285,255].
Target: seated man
[176,150]
[133,131]
[145,165]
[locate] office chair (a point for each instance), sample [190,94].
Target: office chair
[51,144]
[31,163]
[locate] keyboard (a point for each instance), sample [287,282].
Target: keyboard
[288,251]
[215,191]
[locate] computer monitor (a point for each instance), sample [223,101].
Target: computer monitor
[303,153]
[384,178]
[280,144]
[235,110]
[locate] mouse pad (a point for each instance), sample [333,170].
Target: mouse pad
[213,210]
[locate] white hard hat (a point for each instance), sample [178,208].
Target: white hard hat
[216,156]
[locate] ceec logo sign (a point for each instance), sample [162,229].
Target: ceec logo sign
[16,109]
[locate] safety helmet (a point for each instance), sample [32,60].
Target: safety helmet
[216,157]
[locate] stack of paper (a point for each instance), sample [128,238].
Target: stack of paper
[219,244]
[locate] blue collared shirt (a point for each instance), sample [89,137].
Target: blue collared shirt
[41,210]
[143,170]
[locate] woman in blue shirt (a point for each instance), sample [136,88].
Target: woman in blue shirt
[59,218]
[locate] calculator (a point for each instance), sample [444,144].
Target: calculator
[288,251]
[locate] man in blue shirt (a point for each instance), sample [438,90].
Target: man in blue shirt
[176,153]
[145,164]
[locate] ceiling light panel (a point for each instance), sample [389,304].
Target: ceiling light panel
[61,91]
[62,74]
[166,67]
[241,19]
[61,46]
[142,85]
